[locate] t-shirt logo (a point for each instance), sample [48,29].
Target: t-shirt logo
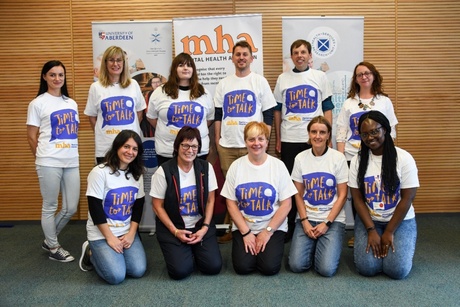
[354,121]
[301,99]
[188,202]
[256,198]
[186,113]
[320,188]
[64,125]
[239,103]
[377,198]
[119,202]
[117,111]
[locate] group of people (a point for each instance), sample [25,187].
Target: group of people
[269,201]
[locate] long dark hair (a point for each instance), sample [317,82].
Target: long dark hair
[376,89]
[186,133]
[171,87]
[111,159]
[389,158]
[44,86]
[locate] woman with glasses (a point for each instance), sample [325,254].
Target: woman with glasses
[365,94]
[383,181]
[181,101]
[183,194]
[115,101]
[258,190]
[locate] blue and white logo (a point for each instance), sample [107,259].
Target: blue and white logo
[324,41]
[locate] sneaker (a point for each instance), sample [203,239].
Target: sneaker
[61,255]
[45,246]
[85,261]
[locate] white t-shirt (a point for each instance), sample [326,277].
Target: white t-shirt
[381,206]
[58,120]
[116,110]
[118,195]
[320,177]
[258,190]
[242,100]
[301,95]
[173,114]
[347,121]
[188,206]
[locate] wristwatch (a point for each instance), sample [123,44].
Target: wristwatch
[269,229]
[328,223]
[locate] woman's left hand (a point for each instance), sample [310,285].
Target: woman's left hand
[386,243]
[127,240]
[198,236]
[319,230]
[261,240]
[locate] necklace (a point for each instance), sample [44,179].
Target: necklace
[365,106]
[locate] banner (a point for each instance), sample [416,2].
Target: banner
[148,47]
[210,40]
[337,46]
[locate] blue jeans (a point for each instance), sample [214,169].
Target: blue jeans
[114,267]
[396,265]
[52,180]
[324,252]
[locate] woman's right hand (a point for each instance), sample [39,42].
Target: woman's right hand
[250,244]
[183,235]
[373,241]
[116,244]
[308,229]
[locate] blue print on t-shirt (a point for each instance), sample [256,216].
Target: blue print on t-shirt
[186,113]
[118,202]
[256,198]
[301,99]
[239,103]
[354,121]
[117,111]
[320,188]
[188,201]
[64,124]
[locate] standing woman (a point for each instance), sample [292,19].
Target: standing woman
[115,101]
[366,94]
[52,133]
[115,202]
[258,190]
[181,101]
[383,182]
[320,175]
[183,194]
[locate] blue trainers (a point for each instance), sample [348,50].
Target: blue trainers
[61,255]
[45,246]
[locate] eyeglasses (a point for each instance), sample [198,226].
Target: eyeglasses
[187,146]
[362,74]
[118,61]
[372,133]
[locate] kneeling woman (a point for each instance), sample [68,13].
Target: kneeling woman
[182,193]
[258,189]
[115,201]
[383,182]
[320,175]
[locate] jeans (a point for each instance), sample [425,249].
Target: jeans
[114,267]
[53,179]
[396,265]
[324,252]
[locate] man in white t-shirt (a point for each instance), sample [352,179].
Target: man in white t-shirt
[239,98]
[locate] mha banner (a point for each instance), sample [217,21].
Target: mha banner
[210,40]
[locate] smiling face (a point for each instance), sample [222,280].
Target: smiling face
[256,145]
[242,58]
[127,153]
[319,136]
[184,73]
[364,77]
[188,150]
[373,135]
[115,65]
[55,78]
[300,57]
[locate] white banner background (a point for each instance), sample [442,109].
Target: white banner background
[210,41]
[337,46]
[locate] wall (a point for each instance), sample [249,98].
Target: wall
[414,44]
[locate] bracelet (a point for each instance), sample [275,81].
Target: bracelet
[303,219]
[175,232]
[205,224]
[370,228]
[244,235]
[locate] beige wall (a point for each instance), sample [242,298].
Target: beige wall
[414,44]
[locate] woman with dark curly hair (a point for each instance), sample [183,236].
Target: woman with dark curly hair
[383,182]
